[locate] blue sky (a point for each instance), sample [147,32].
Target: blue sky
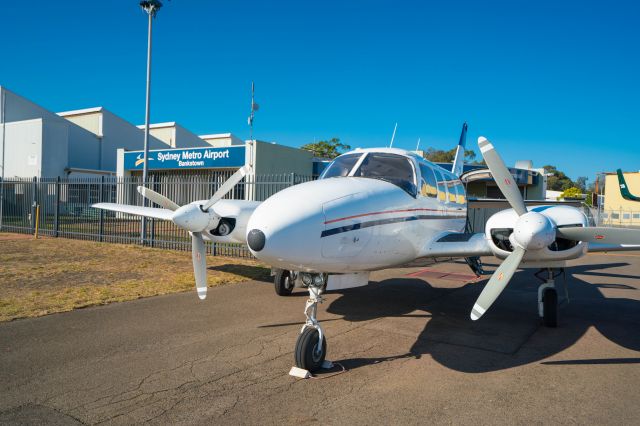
[552,81]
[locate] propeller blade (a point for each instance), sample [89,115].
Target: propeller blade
[157,198]
[600,234]
[226,187]
[198,255]
[502,176]
[497,283]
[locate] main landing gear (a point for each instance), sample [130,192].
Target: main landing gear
[548,296]
[311,346]
[284,282]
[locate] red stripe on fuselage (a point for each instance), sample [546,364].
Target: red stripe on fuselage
[385,212]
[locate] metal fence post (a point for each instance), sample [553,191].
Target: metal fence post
[152,185]
[34,202]
[1,199]
[292,179]
[101,199]
[56,211]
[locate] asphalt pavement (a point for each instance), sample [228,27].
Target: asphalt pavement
[410,352]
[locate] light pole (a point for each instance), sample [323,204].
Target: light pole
[3,107]
[151,7]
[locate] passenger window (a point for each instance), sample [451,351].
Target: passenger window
[451,185]
[462,199]
[428,184]
[442,186]
[392,168]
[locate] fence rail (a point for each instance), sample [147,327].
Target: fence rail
[62,207]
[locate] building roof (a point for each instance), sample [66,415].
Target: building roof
[216,136]
[80,111]
[159,125]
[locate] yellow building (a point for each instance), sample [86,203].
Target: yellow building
[616,209]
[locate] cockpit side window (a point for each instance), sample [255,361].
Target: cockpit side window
[392,168]
[341,166]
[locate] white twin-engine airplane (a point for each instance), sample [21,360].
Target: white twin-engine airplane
[376,208]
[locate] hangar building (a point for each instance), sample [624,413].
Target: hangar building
[616,210]
[38,143]
[273,166]
[35,142]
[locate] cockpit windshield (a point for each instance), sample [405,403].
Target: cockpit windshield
[392,168]
[341,166]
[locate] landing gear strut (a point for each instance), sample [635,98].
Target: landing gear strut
[548,297]
[311,346]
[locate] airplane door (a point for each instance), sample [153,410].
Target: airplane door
[342,236]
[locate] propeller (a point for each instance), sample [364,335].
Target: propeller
[502,176]
[533,231]
[226,187]
[159,199]
[196,219]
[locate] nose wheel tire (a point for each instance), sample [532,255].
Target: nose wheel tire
[283,283]
[309,353]
[550,307]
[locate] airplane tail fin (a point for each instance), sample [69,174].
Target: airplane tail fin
[624,189]
[458,162]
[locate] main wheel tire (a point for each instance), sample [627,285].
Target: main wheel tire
[306,355]
[283,283]
[550,307]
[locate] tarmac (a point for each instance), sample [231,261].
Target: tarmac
[410,352]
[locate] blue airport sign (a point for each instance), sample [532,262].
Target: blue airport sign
[187,158]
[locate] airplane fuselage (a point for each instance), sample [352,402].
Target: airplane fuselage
[351,223]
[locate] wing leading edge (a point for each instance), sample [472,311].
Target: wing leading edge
[156,213]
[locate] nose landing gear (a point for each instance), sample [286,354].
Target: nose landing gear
[311,346]
[548,297]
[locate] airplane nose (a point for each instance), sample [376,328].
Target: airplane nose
[256,240]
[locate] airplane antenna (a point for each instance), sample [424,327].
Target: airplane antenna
[393,136]
[418,145]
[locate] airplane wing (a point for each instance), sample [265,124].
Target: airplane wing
[156,213]
[599,247]
[457,244]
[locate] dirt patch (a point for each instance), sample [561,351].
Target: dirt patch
[39,277]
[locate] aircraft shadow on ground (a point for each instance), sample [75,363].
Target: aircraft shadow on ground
[508,335]
[257,273]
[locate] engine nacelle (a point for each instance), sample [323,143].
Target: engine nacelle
[234,216]
[542,246]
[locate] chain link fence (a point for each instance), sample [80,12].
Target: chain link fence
[618,218]
[59,207]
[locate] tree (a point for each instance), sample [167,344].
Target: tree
[558,181]
[441,156]
[573,192]
[581,182]
[327,149]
